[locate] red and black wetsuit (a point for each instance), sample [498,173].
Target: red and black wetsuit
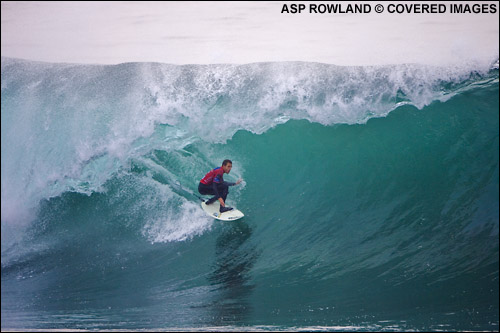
[213,183]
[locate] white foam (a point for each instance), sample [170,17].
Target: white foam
[189,222]
[179,220]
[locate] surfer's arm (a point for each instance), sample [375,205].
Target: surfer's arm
[232,184]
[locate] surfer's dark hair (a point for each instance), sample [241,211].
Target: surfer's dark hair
[225,162]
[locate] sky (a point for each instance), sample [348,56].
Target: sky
[242,32]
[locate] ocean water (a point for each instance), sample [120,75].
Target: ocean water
[370,197]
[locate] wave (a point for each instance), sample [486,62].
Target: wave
[69,127]
[386,179]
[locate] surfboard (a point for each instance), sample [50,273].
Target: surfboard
[213,211]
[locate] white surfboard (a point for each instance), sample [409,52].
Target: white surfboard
[213,211]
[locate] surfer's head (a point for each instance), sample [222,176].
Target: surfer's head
[227,165]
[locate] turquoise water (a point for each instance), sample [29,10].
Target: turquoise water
[370,195]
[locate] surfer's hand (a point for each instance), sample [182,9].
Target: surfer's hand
[238,181]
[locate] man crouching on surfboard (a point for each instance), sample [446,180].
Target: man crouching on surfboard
[213,183]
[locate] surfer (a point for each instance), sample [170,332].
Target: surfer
[213,183]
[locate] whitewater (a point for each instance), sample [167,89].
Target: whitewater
[370,196]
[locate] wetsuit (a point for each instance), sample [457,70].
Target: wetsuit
[213,183]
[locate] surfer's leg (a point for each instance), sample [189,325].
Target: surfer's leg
[211,200]
[205,190]
[223,190]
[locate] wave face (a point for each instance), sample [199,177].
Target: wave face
[370,195]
